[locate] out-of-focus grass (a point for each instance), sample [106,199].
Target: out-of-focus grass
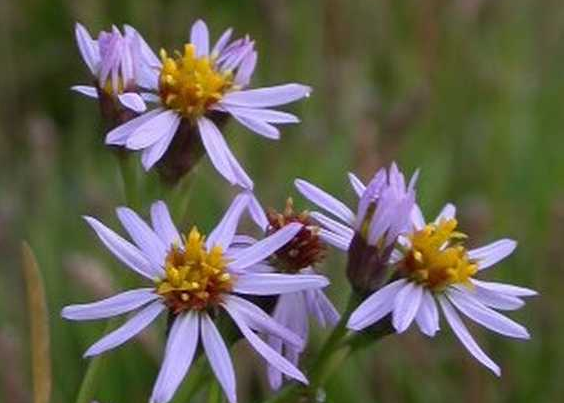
[470,91]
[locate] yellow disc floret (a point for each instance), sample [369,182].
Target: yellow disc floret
[437,257]
[195,278]
[190,84]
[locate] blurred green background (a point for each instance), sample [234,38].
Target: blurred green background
[470,91]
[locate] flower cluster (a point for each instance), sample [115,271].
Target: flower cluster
[401,269]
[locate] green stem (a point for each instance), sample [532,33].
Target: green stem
[89,383]
[214,394]
[129,177]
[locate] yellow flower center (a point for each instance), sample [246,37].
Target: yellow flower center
[437,257]
[195,278]
[190,84]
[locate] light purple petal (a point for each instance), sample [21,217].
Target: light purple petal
[218,357]
[149,57]
[274,376]
[321,308]
[163,225]
[144,237]
[494,299]
[259,127]
[257,212]
[276,283]
[246,69]
[270,355]
[88,48]
[215,146]
[267,97]
[266,247]
[200,38]
[406,305]
[122,249]
[325,200]
[260,321]
[464,336]
[336,240]
[153,154]
[112,306]
[356,184]
[417,218]
[221,42]
[132,327]
[264,115]
[179,353]
[153,130]
[508,289]
[427,317]
[376,306]
[150,97]
[87,90]
[333,226]
[132,101]
[224,232]
[448,212]
[489,255]
[485,316]
[241,177]
[120,134]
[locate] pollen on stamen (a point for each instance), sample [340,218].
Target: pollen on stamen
[190,84]
[195,278]
[437,258]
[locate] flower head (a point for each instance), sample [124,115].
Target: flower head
[119,63]
[299,256]
[195,279]
[369,235]
[433,265]
[197,87]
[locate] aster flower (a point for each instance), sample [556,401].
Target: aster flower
[195,279]
[433,265]
[118,62]
[299,256]
[195,87]
[369,235]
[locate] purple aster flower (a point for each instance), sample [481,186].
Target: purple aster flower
[119,63]
[194,279]
[196,86]
[434,266]
[369,235]
[299,256]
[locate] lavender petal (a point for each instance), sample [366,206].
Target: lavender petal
[507,289]
[447,213]
[88,48]
[260,321]
[325,201]
[224,232]
[218,357]
[132,101]
[112,306]
[267,97]
[215,146]
[153,130]
[488,255]
[200,38]
[376,306]
[333,226]
[406,305]
[464,336]
[125,332]
[143,236]
[163,225]
[485,316]
[427,317]
[270,355]
[123,250]
[356,184]
[87,90]
[120,134]
[266,247]
[276,283]
[179,353]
